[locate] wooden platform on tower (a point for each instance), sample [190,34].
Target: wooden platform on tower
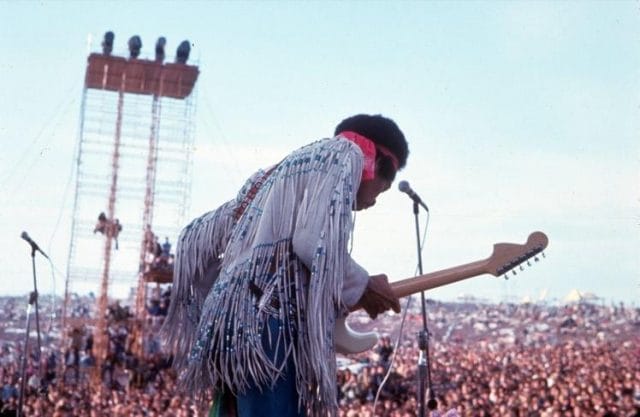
[140,76]
[159,276]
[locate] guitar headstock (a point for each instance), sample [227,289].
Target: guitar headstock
[507,256]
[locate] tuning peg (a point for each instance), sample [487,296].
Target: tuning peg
[521,268]
[528,263]
[536,259]
[506,276]
[514,272]
[543,255]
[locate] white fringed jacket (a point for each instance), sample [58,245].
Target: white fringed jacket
[286,256]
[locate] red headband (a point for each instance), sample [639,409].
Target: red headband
[369,150]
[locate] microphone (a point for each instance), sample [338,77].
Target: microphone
[33,244]
[406,188]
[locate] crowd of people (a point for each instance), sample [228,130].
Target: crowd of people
[504,359]
[60,383]
[509,360]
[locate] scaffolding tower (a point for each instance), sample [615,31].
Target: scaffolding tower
[132,177]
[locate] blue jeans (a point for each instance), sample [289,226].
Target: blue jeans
[281,400]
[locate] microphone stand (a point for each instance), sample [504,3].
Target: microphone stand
[424,362]
[33,300]
[35,292]
[33,296]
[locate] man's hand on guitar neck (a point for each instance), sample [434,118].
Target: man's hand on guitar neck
[378,297]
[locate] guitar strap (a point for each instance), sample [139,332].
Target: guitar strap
[251,194]
[238,212]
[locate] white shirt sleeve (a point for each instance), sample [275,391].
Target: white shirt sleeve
[355,282]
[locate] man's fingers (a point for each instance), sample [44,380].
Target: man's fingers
[374,305]
[379,285]
[389,303]
[396,305]
[372,311]
[379,297]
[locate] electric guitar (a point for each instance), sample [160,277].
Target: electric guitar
[505,257]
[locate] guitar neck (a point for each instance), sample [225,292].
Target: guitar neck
[438,278]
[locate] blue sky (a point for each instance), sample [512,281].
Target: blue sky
[520,116]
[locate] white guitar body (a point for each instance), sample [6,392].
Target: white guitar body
[349,341]
[505,257]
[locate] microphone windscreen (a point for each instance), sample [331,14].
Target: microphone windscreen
[403,186]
